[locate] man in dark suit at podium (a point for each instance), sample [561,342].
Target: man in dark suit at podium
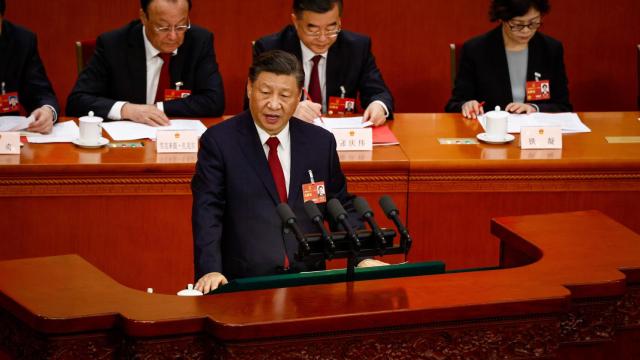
[23,79]
[153,68]
[248,165]
[336,62]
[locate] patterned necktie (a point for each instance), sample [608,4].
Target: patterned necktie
[278,178]
[163,82]
[314,81]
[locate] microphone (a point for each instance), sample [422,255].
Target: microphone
[339,215]
[316,217]
[289,220]
[391,210]
[363,209]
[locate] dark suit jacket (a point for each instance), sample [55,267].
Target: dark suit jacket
[236,228]
[483,74]
[117,72]
[21,68]
[350,63]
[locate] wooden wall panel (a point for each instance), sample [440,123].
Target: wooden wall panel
[409,39]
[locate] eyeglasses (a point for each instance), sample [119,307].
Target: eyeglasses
[167,29]
[330,33]
[519,27]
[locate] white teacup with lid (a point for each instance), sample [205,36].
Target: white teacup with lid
[496,124]
[90,129]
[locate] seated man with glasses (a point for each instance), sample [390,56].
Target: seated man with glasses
[157,67]
[336,62]
[512,66]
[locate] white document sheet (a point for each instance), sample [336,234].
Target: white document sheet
[342,123]
[129,130]
[569,122]
[14,123]
[62,132]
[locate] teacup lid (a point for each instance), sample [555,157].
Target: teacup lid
[189,291]
[497,113]
[91,117]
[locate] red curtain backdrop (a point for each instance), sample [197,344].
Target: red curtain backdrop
[410,41]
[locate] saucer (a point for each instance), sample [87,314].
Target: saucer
[507,139]
[101,142]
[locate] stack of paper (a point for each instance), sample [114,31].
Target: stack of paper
[62,132]
[129,130]
[569,122]
[14,123]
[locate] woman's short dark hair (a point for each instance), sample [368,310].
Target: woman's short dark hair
[277,62]
[506,10]
[144,4]
[2,7]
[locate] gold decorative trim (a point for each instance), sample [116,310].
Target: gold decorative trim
[94,181]
[537,177]
[376,179]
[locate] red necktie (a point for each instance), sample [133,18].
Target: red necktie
[163,82]
[278,178]
[314,81]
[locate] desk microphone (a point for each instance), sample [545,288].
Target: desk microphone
[363,209]
[289,220]
[316,217]
[391,210]
[339,215]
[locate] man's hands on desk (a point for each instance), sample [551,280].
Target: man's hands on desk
[210,282]
[144,114]
[308,111]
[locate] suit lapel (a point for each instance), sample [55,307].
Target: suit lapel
[333,69]
[177,64]
[137,62]
[254,153]
[298,151]
[534,61]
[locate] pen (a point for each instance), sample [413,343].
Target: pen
[306,95]
[480,105]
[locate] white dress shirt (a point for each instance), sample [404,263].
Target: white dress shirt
[154,66]
[307,65]
[284,150]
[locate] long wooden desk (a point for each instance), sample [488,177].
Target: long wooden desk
[569,288]
[454,190]
[128,210]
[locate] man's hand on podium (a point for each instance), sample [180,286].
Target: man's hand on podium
[371,263]
[210,282]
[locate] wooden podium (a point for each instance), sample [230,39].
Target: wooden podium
[568,287]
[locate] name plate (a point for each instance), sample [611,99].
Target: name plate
[9,143]
[354,139]
[180,141]
[545,137]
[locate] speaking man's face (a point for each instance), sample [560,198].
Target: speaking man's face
[273,99]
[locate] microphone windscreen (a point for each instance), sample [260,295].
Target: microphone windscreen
[285,212]
[387,205]
[362,206]
[335,209]
[312,210]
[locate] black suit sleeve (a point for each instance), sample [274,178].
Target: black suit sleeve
[93,83]
[465,84]
[559,101]
[372,86]
[208,208]
[207,99]
[35,88]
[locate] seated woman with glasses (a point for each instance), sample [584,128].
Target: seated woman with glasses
[512,66]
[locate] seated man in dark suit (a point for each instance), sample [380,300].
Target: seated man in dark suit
[248,165]
[22,72]
[134,66]
[336,62]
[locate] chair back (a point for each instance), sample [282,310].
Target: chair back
[454,57]
[84,51]
[638,53]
